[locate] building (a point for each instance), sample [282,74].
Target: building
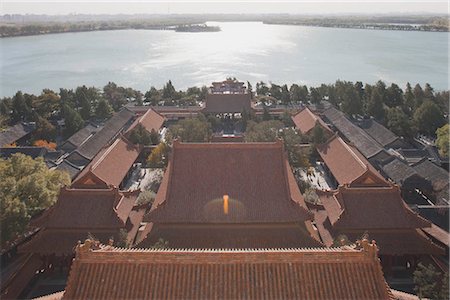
[230,195]
[100,272]
[352,211]
[79,138]
[346,164]
[17,134]
[305,120]
[229,96]
[110,167]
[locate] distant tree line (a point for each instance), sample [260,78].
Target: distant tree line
[405,112]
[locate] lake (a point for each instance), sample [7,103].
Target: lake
[250,51]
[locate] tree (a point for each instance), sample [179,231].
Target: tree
[168,90]
[265,131]
[103,110]
[292,139]
[399,123]
[152,96]
[27,187]
[442,141]
[428,93]
[394,96]
[314,95]
[285,95]
[318,135]
[375,106]
[44,130]
[409,102]
[298,93]
[419,96]
[86,108]
[158,158]
[73,121]
[47,103]
[140,135]
[428,118]
[351,102]
[261,89]
[45,144]
[426,279]
[196,130]
[20,109]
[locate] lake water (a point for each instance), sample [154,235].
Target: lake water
[249,51]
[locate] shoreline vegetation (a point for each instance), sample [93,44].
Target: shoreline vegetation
[26,25]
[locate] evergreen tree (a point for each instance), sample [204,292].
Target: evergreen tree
[73,121]
[428,118]
[375,106]
[103,110]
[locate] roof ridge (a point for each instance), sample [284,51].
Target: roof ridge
[108,150]
[354,155]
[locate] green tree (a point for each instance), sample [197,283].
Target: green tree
[428,118]
[419,96]
[409,102]
[20,108]
[375,106]
[168,90]
[442,140]
[292,139]
[394,96]
[318,135]
[261,88]
[103,109]
[86,107]
[47,103]
[73,121]
[265,131]
[298,93]
[285,95]
[399,123]
[191,130]
[140,135]
[426,279]
[153,96]
[27,187]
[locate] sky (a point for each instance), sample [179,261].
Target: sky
[216,6]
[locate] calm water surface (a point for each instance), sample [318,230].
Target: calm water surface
[248,51]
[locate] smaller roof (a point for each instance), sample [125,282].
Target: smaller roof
[33,152]
[439,177]
[14,133]
[81,136]
[378,132]
[150,120]
[88,208]
[227,103]
[342,273]
[357,136]
[346,163]
[370,208]
[110,166]
[68,167]
[305,120]
[398,171]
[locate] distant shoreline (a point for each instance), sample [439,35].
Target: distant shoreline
[10,27]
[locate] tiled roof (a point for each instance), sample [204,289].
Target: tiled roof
[73,170]
[306,120]
[14,133]
[378,132]
[370,208]
[78,213]
[226,274]
[253,175]
[76,208]
[109,166]
[109,131]
[80,137]
[150,120]
[231,103]
[398,171]
[344,161]
[232,236]
[400,242]
[33,152]
[365,143]
[439,234]
[438,176]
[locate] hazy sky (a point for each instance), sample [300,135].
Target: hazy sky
[211,6]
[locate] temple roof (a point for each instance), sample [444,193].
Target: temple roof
[378,132]
[227,103]
[363,141]
[150,120]
[255,176]
[100,139]
[14,133]
[88,208]
[346,163]
[369,208]
[110,166]
[340,273]
[305,120]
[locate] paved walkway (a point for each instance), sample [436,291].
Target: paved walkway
[317,177]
